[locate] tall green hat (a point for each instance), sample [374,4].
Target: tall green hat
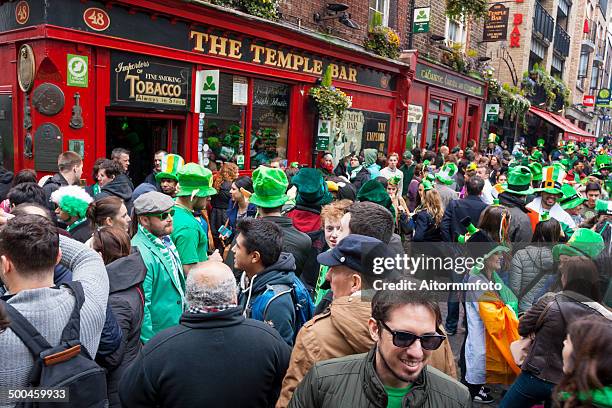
[374,192]
[571,199]
[73,200]
[519,181]
[552,180]
[269,187]
[603,207]
[603,162]
[195,181]
[492,138]
[446,173]
[540,142]
[536,171]
[170,165]
[311,187]
[584,242]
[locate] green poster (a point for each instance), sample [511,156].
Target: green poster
[209,104]
[78,71]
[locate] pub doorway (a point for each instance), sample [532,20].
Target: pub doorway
[143,135]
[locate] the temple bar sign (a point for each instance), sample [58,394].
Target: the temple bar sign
[273,55]
[496,23]
[441,78]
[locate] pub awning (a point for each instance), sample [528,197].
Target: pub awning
[570,131]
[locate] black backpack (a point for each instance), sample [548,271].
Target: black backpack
[67,365]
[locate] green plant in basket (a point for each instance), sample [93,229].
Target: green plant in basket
[330,101]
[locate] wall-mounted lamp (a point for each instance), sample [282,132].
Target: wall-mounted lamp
[337,11]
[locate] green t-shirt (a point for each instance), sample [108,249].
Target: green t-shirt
[320,293]
[189,237]
[395,396]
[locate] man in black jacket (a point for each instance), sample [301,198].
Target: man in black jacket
[218,358]
[70,166]
[451,228]
[114,182]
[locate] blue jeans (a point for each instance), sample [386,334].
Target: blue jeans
[526,391]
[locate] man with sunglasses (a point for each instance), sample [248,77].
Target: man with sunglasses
[395,372]
[164,284]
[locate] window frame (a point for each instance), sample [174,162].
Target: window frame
[384,11]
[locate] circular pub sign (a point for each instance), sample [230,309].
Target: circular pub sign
[96,19]
[22,12]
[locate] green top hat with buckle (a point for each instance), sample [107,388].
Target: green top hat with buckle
[536,171]
[170,166]
[603,162]
[311,187]
[519,181]
[603,207]
[269,187]
[540,142]
[446,173]
[552,180]
[493,138]
[571,199]
[195,181]
[584,242]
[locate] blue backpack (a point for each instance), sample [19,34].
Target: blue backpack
[300,297]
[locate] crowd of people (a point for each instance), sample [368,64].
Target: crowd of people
[196,288]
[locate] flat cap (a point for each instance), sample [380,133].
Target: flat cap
[153,202]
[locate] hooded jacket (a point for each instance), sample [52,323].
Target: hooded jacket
[52,184]
[120,186]
[352,382]
[126,299]
[340,331]
[295,242]
[520,224]
[280,313]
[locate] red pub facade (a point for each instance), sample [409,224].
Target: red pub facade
[194,79]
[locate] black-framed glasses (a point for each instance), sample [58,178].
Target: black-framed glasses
[163,216]
[405,339]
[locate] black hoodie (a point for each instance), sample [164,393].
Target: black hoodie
[520,225]
[121,187]
[125,275]
[51,185]
[6,179]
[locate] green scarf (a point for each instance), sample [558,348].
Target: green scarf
[506,294]
[601,397]
[75,224]
[169,253]
[95,189]
[320,293]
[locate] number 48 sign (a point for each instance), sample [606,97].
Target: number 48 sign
[96,19]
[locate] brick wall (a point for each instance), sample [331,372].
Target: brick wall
[301,12]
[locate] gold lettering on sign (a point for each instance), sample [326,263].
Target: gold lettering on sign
[284,60]
[199,40]
[257,49]
[234,49]
[217,45]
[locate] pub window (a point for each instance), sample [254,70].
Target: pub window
[438,123]
[456,32]
[224,131]
[270,125]
[380,7]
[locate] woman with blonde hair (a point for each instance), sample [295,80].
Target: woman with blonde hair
[222,182]
[428,215]
[399,204]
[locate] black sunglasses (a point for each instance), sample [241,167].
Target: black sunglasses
[162,216]
[405,339]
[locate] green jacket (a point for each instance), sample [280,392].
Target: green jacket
[351,381]
[163,304]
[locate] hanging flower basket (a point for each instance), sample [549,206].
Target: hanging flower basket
[383,41]
[329,101]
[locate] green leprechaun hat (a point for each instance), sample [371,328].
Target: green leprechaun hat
[536,156]
[195,181]
[603,162]
[492,138]
[170,165]
[540,142]
[552,180]
[374,192]
[269,187]
[311,187]
[427,185]
[584,242]
[519,181]
[603,207]
[446,173]
[571,199]
[536,171]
